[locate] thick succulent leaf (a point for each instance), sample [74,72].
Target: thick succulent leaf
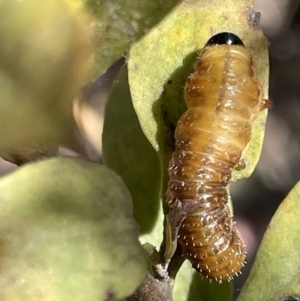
[160,63]
[127,151]
[191,286]
[119,23]
[275,271]
[67,233]
[44,56]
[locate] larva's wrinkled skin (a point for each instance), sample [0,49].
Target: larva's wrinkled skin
[223,99]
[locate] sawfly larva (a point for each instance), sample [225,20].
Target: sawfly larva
[223,99]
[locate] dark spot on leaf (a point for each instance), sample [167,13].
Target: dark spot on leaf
[110,295]
[170,82]
[108,28]
[290,298]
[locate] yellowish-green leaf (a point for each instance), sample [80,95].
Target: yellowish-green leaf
[67,233]
[127,151]
[44,58]
[160,63]
[191,286]
[119,23]
[275,271]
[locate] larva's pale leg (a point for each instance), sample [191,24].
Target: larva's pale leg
[265,104]
[240,165]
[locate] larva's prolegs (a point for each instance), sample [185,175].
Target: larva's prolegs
[240,165]
[266,104]
[223,99]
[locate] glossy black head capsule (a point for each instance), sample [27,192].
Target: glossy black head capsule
[224,38]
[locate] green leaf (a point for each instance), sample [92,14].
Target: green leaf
[158,67]
[192,286]
[119,23]
[275,271]
[160,63]
[127,151]
[44,57]
[67,233]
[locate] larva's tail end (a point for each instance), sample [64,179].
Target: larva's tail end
[224,274]
[233,260]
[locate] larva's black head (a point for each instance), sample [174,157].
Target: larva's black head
[224,38]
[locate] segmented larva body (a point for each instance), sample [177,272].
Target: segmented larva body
[223,99]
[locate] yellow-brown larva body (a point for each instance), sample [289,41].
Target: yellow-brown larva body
[223,99]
